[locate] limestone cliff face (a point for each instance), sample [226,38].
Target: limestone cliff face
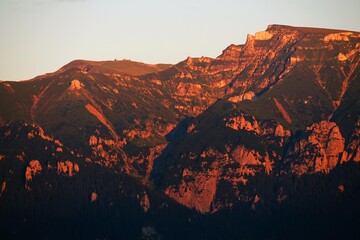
[318,150]
[353,147]
[201,181]
[196,189]
[199,187]
[245,71]
[249,123]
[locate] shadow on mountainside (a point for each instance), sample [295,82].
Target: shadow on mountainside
[162,162]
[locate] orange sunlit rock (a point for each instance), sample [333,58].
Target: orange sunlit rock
[75,85]
[93,197]
[33,169]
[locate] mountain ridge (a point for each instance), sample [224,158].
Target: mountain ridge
[263,128]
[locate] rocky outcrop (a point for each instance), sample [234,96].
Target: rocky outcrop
[353,147]
[188,89]
[198,186]
[342,57]
[264,35]
[246,122]
[318,149]
[37,131]
[249,123]
[196,189]
[248,158]
[105,151]
[343,36]
[93,197]
[245,96]
[67,168]
[32,169]
[231,53]
[75,85]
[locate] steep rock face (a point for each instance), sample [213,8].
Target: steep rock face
[318,150]
[243,72]
[196,189]
[199,186]
[264,35]
[204,170]
[353,146]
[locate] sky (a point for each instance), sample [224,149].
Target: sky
[40,36]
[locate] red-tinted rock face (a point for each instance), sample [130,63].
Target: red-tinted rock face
[198,193]
[75,85]
[198,186]
[94,197]
[33,169]
[319,150]
[67,168]
[353,147]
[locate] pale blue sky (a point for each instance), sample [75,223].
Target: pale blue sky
[40,36]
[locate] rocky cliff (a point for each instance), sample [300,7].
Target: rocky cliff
[287,127]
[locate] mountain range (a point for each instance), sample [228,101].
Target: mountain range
[261,142]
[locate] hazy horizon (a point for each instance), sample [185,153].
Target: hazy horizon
[40,36]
